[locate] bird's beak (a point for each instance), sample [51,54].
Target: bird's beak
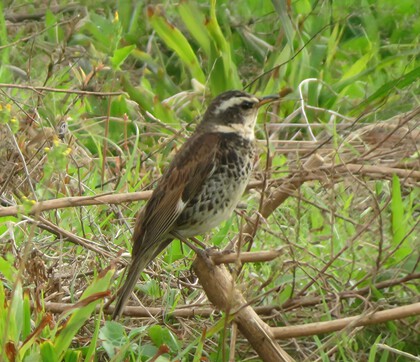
[267,99]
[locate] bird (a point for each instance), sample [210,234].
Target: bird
[202,184]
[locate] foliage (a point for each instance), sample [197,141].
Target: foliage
[357,58]
[49,340]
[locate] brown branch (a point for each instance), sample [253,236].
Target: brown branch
[220,290]
[59,232]
[78,201]
[382,170]
[408,356]
[190,311]
[245,257]
[311,329]
[38,15]
[310,301]
[34,35]
[284,190]
[59,90]
[140,312]
[155,312]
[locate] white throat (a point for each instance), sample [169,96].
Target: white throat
[246,131]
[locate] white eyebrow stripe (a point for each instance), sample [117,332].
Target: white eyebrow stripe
[234,102]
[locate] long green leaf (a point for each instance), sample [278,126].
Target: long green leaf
[222,56]
[81,315]
[398,230]
[389,87]
[120,55]
[175,40]
[281,9]
[48,351]
[358,67]
[194,21]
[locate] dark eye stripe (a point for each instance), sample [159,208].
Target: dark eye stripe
[247,104]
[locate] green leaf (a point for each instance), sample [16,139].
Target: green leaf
[50,22]
[220,236]
[194,21]
[332,45]
[357,67]
[73,356]
[210,332]
[7,269]
[175,40]
[80,315]
[26,316]
[374,349]
[174,252]
[16,323]
[90,352]
[160,336]
[48,351]
[3,30]
[113,337]
[281,9]
[224,74]
[120,55]
[3,311]
[200,346]
[390,87]
[285,294]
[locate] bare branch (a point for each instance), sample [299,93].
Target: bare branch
[311,329]
[78,201]
[60,90]
[246,257]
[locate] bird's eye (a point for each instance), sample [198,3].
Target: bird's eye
[247,105]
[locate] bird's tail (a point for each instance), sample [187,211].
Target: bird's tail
[138,263]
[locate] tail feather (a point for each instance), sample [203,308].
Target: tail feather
[129,284]
[138,263]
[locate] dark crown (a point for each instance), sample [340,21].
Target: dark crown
[228,108]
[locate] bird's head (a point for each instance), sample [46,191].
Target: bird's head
[233,112]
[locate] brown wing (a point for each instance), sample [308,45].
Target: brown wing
[194,162]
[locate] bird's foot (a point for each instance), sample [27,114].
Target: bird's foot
[207,254]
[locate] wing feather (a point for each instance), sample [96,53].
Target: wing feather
[179,184]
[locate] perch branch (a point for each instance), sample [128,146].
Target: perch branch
[220,290]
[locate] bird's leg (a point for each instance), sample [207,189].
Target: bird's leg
[198,242]
[177,235]
[203,252]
